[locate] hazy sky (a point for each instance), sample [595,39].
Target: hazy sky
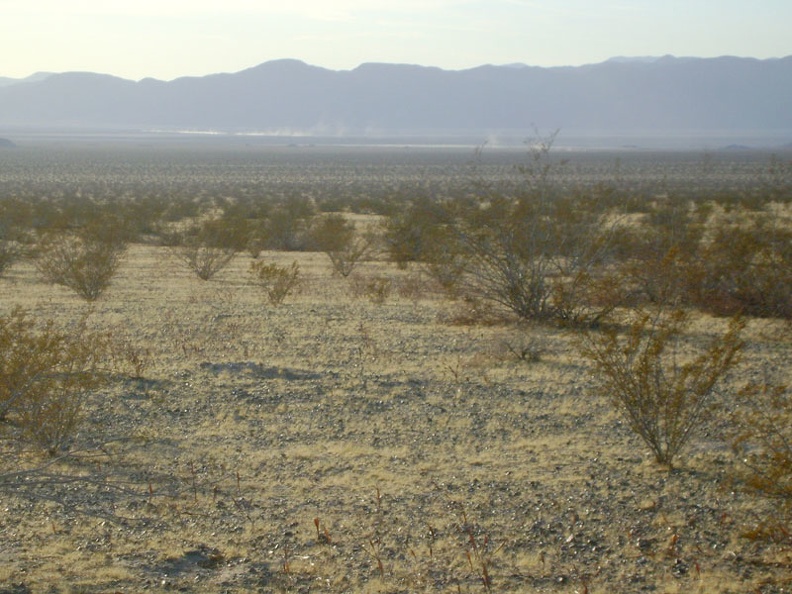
[170,38]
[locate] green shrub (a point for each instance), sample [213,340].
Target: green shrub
[539,260]
[410,233]
[336,237]
[287,224]
[81,262]
[203,250]
[46,373]
[277,281]
[204,260]
[663,390]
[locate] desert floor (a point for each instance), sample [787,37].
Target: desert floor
[336,444]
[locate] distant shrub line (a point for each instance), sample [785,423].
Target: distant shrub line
[533,240]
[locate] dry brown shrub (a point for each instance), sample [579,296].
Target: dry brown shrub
[127,355]
[413,286]
[748,270]
[504,267]
[669,278]
[663,388]
[411,233]
[375,288]
[763,443]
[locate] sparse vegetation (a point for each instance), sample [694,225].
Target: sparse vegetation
[375,288]
[762,440]
[200,250]
[82,262]
[747,269]
[277,281]
[664,391]
[398,430]
[9,253]
[337,238]
[46,374]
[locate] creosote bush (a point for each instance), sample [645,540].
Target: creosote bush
[662,387]
[277,281]
[83,262]
[203,251]
[337,238]
[46,373]
[375,288]
[763,441]
[9,254]
[748,270]
[539,253]
[540,261]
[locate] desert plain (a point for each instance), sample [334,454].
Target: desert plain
[359,440]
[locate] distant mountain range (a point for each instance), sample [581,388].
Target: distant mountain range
[6,81]
[652,95]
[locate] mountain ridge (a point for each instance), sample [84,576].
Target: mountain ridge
[291,96]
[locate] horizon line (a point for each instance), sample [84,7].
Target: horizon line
[614,59]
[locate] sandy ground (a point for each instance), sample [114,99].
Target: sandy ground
[335,444]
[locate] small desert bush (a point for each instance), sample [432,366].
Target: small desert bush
[524,346]
[662,386]
[667,278]
[539,259]
[500,267]
[413,286]
[231,233]
[741,265]
[444,261]
[127,355]
[411,232]
[508,270]
[82,262]
[287,224]
[46,373]
[9,254]
[344,261]
[763,441]
[748,270]
[203,253]
[336,237]
[375,288]
[277,281]
[331,232]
